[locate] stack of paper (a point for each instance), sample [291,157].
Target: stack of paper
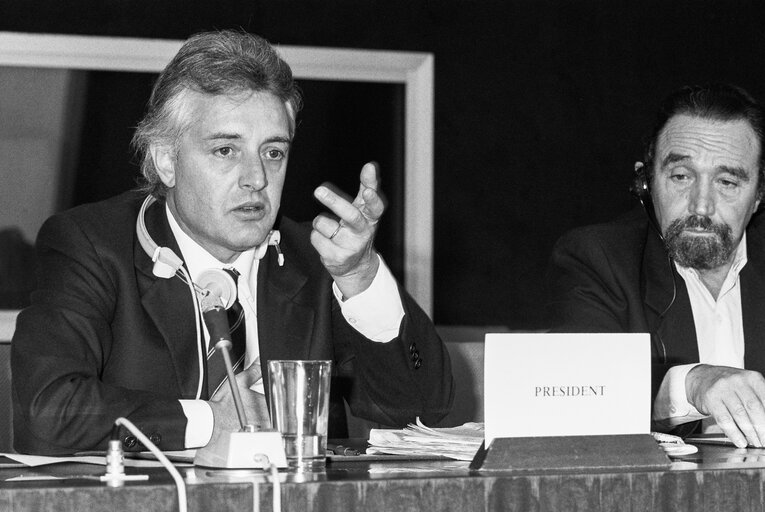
[459,443]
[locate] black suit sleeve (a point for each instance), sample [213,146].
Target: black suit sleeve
[62,348]
[583,287]
[395,382]
[597,283]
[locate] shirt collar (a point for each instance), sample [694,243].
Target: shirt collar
[740,259]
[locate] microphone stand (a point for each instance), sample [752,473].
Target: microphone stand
[224,347]
[248,448]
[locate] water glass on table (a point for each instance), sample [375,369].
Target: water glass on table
[300,410]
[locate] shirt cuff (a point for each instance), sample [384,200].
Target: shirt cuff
[671,406]
[199,426]
[377,311]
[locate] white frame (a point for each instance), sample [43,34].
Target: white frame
[7,325]
[413,69]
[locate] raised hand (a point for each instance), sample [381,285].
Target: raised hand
[345,244]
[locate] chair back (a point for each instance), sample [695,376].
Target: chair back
[7,327]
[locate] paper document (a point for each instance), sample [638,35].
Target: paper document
[712,438]
[40,460]
[460,443]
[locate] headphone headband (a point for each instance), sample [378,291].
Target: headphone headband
[166,262]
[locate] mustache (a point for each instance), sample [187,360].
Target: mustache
[697,222]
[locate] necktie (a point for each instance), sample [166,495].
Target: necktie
[216,369]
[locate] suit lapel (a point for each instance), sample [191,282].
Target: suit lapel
[753,300]
[672,327]
[285,326]
[169,304]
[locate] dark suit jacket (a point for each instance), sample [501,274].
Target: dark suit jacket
[617,277]
[105,338]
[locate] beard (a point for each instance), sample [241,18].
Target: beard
[702,252]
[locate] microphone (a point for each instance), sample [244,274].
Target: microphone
[246,448]
[215,283]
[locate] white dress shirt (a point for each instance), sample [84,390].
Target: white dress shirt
[376,313]
[720,338]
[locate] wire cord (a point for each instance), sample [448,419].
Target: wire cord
[180,484]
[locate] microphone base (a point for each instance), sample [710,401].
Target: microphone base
[243,450]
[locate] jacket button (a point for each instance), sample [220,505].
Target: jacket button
[417,363]
[129,441]
[155,438]
[412,348]
[415,355]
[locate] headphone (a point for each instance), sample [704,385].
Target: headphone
[641,189]
[213,281]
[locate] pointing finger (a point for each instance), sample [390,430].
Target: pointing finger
[369,177]
[369,199]
[349,213]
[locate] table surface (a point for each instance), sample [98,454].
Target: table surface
[716,478]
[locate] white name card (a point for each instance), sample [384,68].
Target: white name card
[566,384]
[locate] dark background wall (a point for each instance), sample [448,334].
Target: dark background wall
[541,106]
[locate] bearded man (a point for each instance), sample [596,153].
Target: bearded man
[688,268]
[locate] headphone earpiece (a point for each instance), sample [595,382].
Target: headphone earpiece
[640,188]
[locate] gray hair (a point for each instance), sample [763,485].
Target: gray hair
[216,63]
